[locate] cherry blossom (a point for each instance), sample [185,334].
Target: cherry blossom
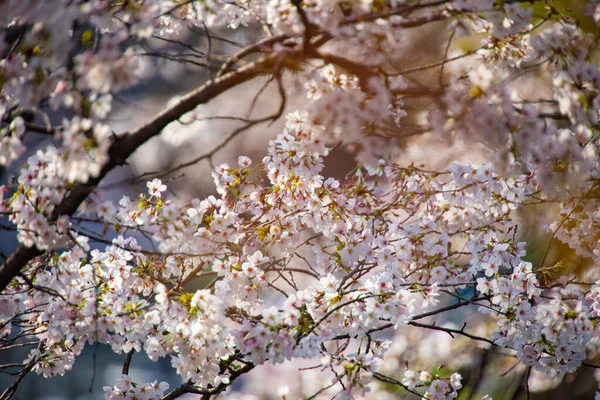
[367,279]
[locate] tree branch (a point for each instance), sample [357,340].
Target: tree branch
[127,362]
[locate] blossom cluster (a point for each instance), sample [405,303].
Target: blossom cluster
[382,248]
[436,388]
[126,388]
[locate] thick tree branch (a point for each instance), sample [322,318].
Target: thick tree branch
[259,46]
[364,73]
